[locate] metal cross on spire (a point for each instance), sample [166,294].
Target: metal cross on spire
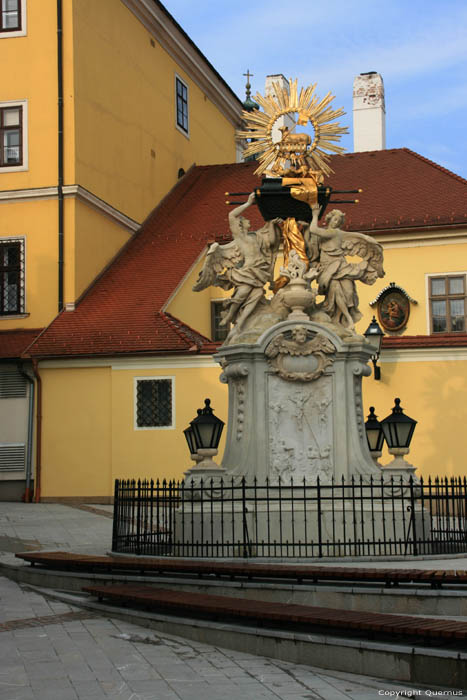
[248,75]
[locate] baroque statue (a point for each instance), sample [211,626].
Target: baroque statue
[245,264]
[291,200]
[327,249]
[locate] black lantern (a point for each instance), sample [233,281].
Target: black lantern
[190,438]
[374,432]
[375,335]
[398,428]
[207,428]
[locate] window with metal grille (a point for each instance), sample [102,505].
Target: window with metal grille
[447,304]
[154,403]
[218,332]
[10,15]
[11,136]
[182,104]
[11,276]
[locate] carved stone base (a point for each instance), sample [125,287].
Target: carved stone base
[295,405]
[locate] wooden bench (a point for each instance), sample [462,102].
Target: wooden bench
[248,570]
[282,614]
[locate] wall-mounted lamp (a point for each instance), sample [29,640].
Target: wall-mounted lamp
[374,335]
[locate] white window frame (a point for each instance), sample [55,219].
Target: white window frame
[184,83]
[24,136]
[428,278]
[135,404]
[23,313]
[19,32]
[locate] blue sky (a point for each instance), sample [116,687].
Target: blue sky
[419,47]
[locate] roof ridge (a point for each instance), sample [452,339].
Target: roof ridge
[435,165]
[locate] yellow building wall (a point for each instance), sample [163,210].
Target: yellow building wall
[432,393]
[89,435]
[128,148]
[97,239]
[33,76]
[160,453]
[76,433]
[408,267]
[36,221]
[193,308]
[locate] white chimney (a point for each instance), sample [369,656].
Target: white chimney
[286,119]
[369,113]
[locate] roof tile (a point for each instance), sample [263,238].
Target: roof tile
[123,312]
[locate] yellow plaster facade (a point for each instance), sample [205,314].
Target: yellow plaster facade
[122,150]
[122,153]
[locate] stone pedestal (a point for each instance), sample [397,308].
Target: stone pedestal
[295,405]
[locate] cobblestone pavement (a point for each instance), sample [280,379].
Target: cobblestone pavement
[53,651]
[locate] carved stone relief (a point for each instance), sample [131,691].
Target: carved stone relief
[236,376]
[300,429]
[297,356]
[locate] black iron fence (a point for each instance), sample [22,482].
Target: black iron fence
[232,518]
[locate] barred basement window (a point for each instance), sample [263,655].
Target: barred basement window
[11,276]
[154,403]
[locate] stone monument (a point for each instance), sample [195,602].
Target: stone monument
[293,360]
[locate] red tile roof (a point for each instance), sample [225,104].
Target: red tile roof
[439,340]
[14,343]
[123,311]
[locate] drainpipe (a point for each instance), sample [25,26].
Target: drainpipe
[60,154]
[37,495]
[30,380]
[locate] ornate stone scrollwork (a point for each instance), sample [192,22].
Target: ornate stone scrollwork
[296,357]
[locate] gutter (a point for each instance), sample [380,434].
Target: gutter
[37,495]
[27,494]
[60,154]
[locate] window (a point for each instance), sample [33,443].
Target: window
[154,403]
[218,332]
[11,277]
[10,17]
[13,136]
[447,304]
[181,91]
[11,128]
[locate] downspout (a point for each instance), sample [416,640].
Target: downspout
[22,371]
[60,155]
[37,483]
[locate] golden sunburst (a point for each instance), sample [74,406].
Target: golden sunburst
[297,150]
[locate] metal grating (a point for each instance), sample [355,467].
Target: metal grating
[154,403]
[12,267]
[12,384]
[12,457]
